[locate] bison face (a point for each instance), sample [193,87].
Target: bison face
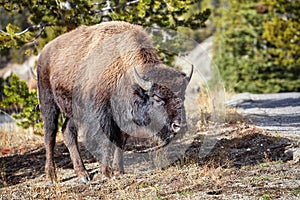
[158,103]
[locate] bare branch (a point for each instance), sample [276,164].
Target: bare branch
[39,26]
[131,2]
[4,32]
[108,6]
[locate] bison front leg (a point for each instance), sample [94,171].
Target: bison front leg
[117,145]
[71,141]
[106,157]
[117,164]
[118,160]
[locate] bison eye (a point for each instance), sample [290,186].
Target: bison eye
[158,100]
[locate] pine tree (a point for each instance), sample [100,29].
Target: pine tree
[257,45]
[282,33]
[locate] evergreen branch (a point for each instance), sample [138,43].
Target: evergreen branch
[42,27]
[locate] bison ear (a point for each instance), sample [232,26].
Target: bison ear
[145,85]
[140,106]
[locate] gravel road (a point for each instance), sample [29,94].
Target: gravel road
[273,112]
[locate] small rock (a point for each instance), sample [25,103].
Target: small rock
[293,153]
[296,155]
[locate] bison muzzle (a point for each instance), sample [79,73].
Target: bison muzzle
[110,83]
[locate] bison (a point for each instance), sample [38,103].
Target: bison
[108,80]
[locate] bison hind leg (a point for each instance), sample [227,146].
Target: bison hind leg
[71,141]
[50,113]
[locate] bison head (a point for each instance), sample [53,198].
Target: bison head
[157,105]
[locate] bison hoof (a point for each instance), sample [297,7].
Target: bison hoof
[84,179]
[118,173]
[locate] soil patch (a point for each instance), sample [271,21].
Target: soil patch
[244,163]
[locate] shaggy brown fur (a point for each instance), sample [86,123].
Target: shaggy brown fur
[91,63]
[67,53]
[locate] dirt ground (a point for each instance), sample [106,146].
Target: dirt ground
[245,163]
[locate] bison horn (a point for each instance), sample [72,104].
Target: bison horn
[146,85]
[189,77]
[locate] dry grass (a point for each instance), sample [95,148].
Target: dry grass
[186,180]
[16,140]
[173,182]
[216,112]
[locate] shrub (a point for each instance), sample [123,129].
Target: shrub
[256,45]
[18,96]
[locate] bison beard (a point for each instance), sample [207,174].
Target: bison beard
[110,83]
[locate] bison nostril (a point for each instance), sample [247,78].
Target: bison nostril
[175,127]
